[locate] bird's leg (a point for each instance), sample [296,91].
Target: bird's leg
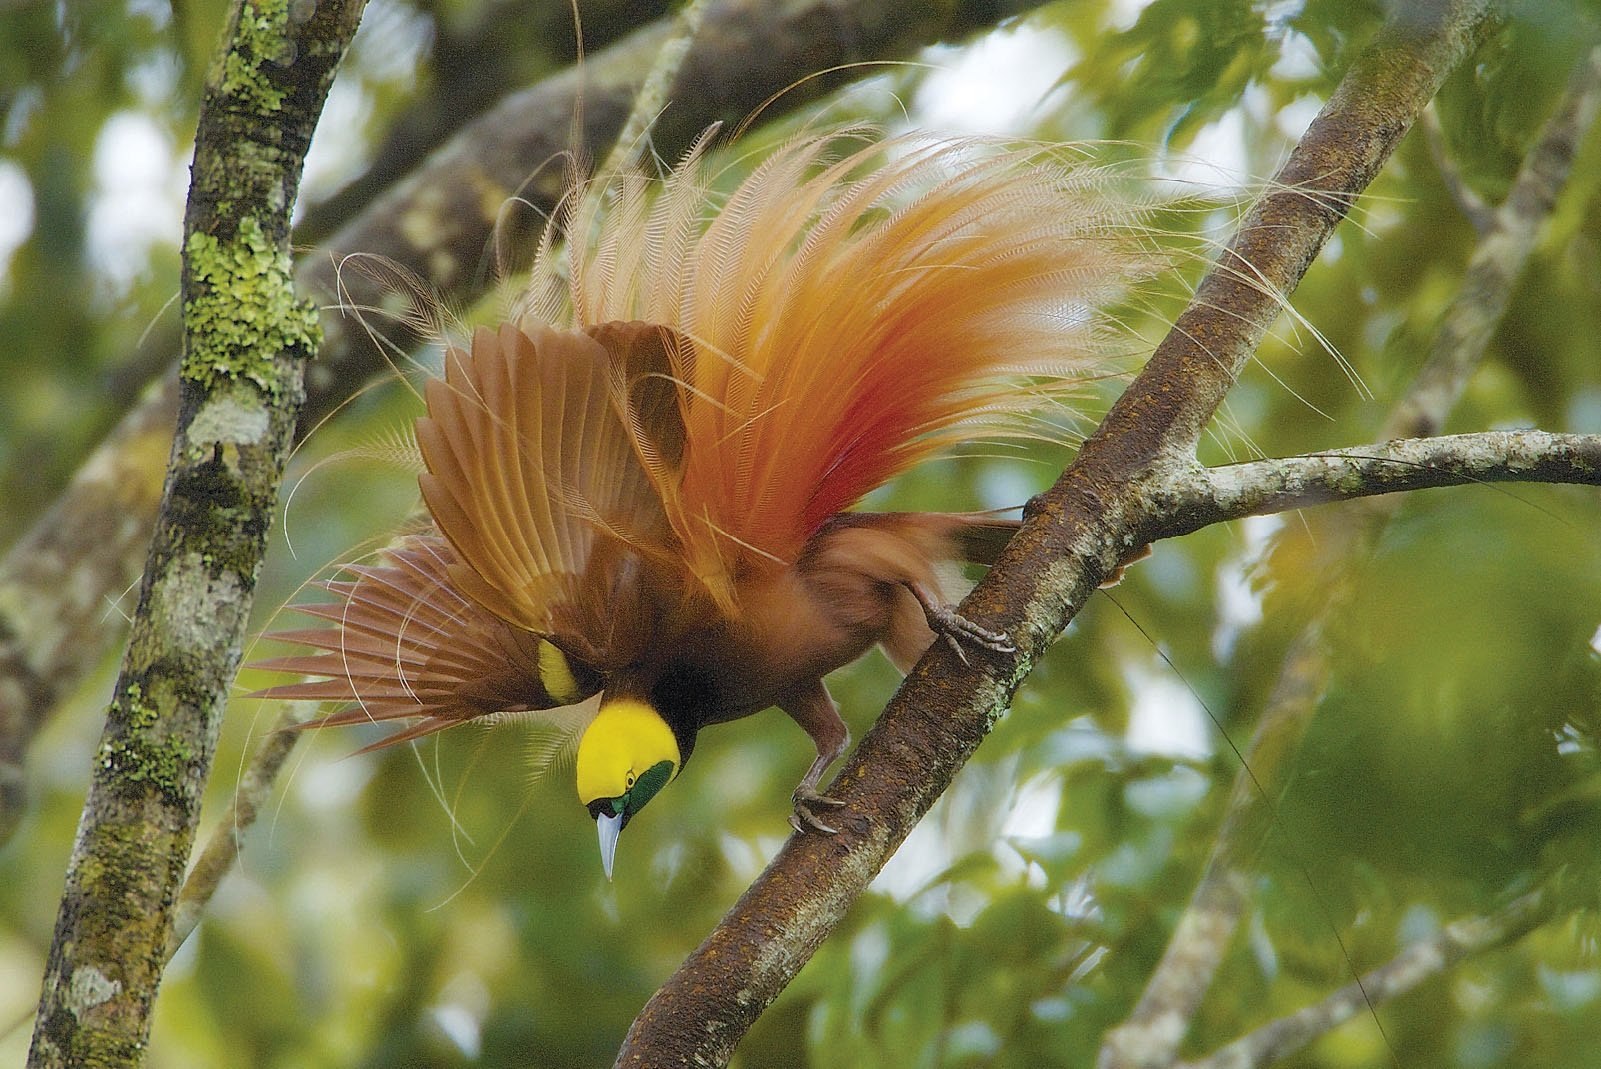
[810,706]
[955,628]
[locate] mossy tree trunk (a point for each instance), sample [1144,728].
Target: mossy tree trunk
[247,337]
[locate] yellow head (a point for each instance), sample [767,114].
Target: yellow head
[627,754]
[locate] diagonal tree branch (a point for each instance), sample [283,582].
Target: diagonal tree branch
[1176,988]
[59,583]
[216,858]
[247,336]
[1072,537]
[473,65]
[1472,206]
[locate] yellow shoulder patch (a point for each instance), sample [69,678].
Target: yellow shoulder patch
[556,675]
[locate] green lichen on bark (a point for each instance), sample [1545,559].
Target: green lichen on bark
[261,37]
[83,1027]
[244,311]
[144,756]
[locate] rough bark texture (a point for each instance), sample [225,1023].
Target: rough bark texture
[57,584]
[1074,535]
[246,338]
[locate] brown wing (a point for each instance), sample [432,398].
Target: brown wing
[544,450]
[403,643]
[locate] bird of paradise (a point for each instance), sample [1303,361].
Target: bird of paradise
[640,485]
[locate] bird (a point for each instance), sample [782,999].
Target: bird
[641,488]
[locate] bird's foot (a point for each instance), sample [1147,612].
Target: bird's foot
[803,819]
[957,629]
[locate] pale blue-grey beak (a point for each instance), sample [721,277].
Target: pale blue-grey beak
[610,827]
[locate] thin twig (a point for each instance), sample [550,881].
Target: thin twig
[1473,207]
[1418,962]
[217,857]
[656,90]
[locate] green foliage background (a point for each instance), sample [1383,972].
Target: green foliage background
[434,907]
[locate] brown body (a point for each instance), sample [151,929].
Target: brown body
[864,579]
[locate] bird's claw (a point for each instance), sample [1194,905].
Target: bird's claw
[956,629]
[803,819]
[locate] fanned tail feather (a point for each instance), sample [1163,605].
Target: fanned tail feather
[405,644]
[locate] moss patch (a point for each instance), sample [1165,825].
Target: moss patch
[262,38]
[144,756]
[244,311]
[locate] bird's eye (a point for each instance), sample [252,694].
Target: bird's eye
[630,780]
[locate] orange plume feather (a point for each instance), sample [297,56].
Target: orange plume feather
[844,317]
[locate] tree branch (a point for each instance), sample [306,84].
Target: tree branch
[1422,960]
[217,857]
[247,337]
[471,68]
[57,585]
[60,583]
[1263,487]
[1174,992]
[1469,203]
[1073,536]
[1162,414]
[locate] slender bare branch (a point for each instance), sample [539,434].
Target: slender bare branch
[652,97]
[246,339]
[1262,487]
[217,857]
[1472,206]
[1164,411]
[1073,536]
[1419,962]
